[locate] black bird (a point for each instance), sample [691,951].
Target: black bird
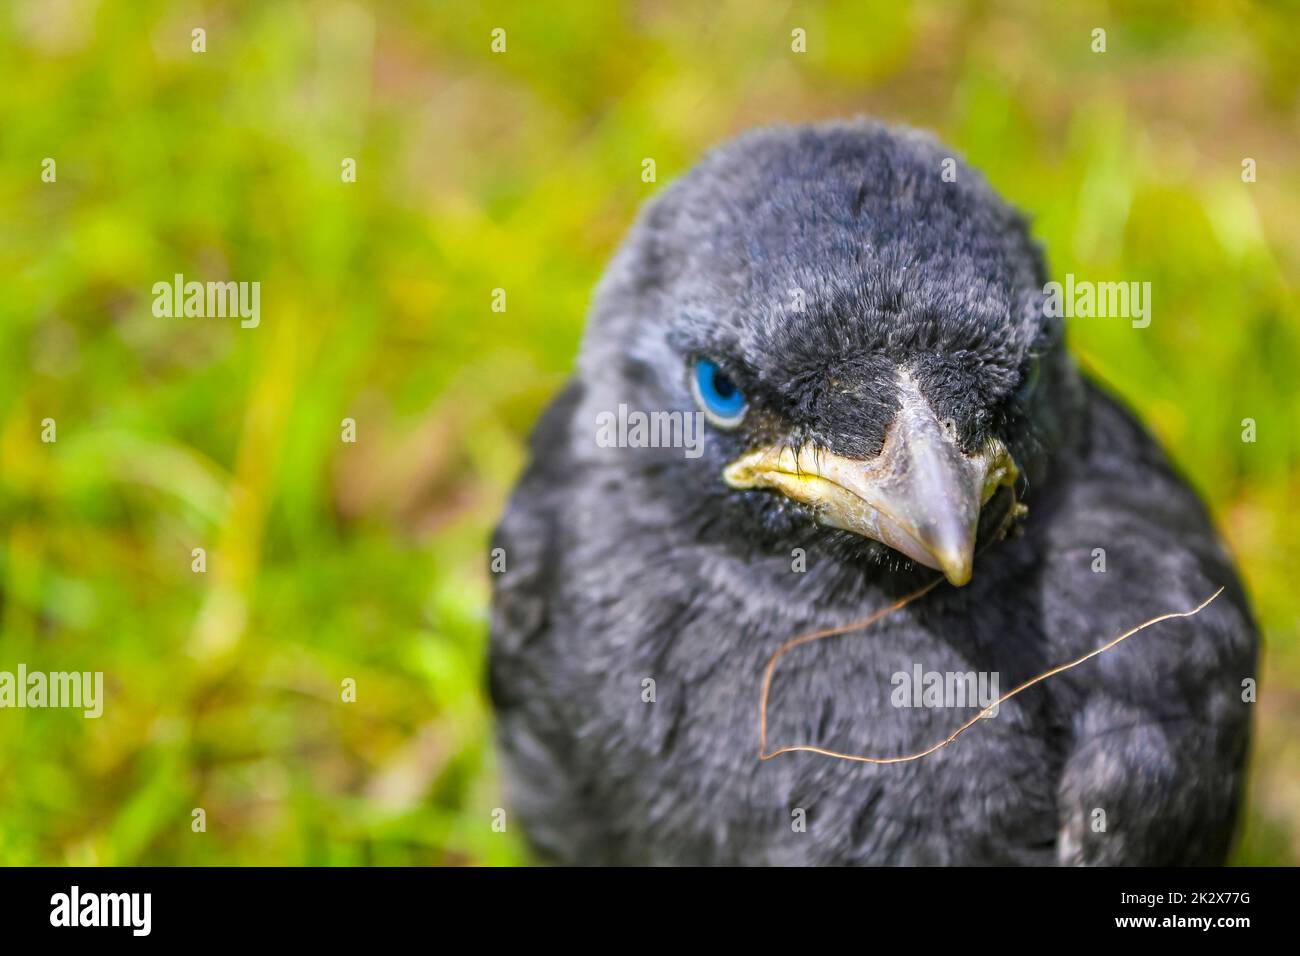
[888,400]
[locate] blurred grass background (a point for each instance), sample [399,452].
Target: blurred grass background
[520,171]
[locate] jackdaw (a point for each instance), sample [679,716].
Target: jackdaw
[861,325]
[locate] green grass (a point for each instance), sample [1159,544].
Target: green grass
[328,560]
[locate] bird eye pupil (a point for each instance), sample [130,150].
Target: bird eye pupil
[720,398]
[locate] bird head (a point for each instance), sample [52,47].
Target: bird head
[859,318]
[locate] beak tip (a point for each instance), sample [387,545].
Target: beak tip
[957,569]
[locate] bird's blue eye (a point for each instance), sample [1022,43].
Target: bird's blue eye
[722,401]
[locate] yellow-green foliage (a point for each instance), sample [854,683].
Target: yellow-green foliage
[329,560]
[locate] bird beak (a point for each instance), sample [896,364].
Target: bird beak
[921,495]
